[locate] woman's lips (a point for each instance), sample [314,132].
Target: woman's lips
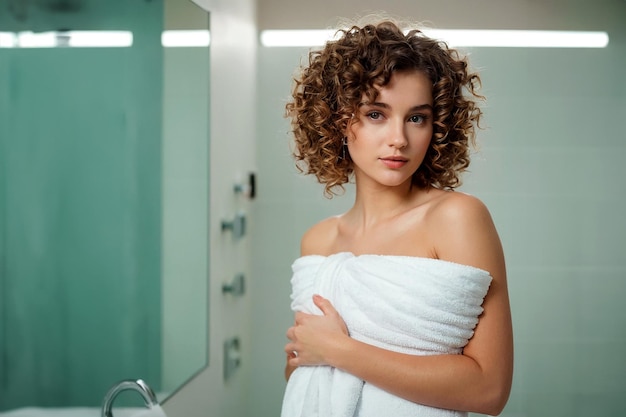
[394,162]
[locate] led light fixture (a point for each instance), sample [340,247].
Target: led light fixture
[72,39]
[99,39]
[185,38]
[7,40]
[458,38]
[96,39]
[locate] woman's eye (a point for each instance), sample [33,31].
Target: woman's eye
[374,115]
[417,119]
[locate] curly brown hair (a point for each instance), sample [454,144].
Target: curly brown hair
[328,91]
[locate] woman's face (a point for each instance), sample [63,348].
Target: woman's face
[389,141]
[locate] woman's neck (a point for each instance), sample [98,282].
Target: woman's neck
[378,204]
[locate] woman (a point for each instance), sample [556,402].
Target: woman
[401,303]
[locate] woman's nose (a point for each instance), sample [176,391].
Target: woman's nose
[397,136]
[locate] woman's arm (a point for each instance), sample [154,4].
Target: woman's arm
[478,380]
[314,241]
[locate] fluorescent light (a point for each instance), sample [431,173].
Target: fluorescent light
[521,38]
[72,39]
[185,38]
[100,39]
[457,37]
[36,40]
[7,40]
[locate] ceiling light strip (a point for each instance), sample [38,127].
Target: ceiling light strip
[458,38]
[185,38]
[7,40]
[99,39]
[71,39]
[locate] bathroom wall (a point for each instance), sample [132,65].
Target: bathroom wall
[79,211]
[232,154]
[549,167]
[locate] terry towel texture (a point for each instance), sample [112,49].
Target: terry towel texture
[419,306]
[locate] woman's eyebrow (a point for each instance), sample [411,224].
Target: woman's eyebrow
[422,107]
[418,107]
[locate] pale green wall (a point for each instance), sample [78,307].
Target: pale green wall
[80,156]
[550,169]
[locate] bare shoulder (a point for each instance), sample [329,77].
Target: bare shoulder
[465,232]
[455,208]
[320,237]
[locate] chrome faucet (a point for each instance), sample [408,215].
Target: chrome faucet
[128,384]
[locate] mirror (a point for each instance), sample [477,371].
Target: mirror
[103,201]
[185,248]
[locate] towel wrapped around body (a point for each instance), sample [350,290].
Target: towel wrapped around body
[418,306]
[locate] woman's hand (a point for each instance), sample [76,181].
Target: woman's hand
[313,337]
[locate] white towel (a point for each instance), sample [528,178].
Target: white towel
[413,305]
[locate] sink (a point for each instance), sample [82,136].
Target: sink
[69,412]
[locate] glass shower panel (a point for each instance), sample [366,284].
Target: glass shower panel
[80,155]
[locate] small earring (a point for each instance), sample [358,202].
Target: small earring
[344,145]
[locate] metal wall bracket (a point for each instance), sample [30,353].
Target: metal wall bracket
[236,287]
[237,225]
[247,189]
[232,357]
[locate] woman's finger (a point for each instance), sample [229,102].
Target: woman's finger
[329,311]
[290,349]
[324,305]
[299,317]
